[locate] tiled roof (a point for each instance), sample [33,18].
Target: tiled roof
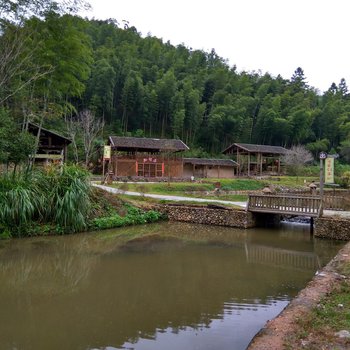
[146,144]
[250,148]
[33,128]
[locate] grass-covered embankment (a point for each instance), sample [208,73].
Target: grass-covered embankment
[60,201]
[327,325]
[236,190]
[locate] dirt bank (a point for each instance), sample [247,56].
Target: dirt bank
[277,333]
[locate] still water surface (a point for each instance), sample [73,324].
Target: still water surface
[163,286]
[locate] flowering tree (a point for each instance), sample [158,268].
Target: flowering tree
[295,158]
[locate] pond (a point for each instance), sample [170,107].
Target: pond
[161,286]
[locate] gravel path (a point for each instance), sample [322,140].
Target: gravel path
[169,198]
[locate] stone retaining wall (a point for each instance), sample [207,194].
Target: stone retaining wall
[209,215]
[333,228]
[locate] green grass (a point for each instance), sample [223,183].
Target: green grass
[207,186]
[172,188]
[134,216]
[182,188]
[146,201]
[60,197]
[318,328]
[292,181]
[333,311]
[58,200]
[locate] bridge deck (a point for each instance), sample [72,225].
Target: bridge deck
[285,204]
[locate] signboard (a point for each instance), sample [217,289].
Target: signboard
[329,171]
[107,152]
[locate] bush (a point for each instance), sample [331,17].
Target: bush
[134,216]
[345,179]
[51,195]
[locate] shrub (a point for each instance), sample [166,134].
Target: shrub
[50,195]
[134,216]
[345,179]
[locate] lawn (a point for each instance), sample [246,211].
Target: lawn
[206,187]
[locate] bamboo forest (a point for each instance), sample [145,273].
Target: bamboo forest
[56,65]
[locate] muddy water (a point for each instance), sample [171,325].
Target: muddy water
[163,286]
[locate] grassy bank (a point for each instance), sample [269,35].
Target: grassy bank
[147,203]
[192,188]
[60,201]
[208,188]
[321,328]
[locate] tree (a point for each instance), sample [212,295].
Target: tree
[345,150]
[295,158]
[18,42]
[85,127]
[298,79]
[343,88]
[15,145]
[131,98]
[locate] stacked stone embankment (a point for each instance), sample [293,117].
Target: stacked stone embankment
[209,215]
[332,228]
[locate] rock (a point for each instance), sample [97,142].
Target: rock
[343,334]
[305,343]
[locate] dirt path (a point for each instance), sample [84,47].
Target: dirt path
[275,334]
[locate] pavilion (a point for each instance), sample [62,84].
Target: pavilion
[256,159]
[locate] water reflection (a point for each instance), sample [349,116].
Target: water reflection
[180,286]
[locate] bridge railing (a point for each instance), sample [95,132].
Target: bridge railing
[285,204]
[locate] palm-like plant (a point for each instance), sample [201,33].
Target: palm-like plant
[60,197]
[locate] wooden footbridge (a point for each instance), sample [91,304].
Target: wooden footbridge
[284,258]
[284,204]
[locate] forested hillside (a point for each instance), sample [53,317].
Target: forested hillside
[55,65]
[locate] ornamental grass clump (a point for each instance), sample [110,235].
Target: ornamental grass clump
[19,201]
[51,195]
[66,197]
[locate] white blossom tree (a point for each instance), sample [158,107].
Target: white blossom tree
[296,158]
[84,130]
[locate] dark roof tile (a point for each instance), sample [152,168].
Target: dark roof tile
[251,148]
[146,144]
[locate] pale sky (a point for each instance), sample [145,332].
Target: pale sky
[274,36]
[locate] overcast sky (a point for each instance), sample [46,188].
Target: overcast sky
[274,36]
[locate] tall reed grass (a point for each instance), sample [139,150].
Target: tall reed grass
[56,196]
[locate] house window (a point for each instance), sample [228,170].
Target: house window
[150,169]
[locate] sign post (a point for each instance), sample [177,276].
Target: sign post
[106,156]
[323,155]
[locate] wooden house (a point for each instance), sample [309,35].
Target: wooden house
[256,159]
[52,146]
[209,168]
[146,157]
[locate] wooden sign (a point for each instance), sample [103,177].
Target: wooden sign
[329,171]
[107,152]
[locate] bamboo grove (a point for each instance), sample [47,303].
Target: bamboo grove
[55,64]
